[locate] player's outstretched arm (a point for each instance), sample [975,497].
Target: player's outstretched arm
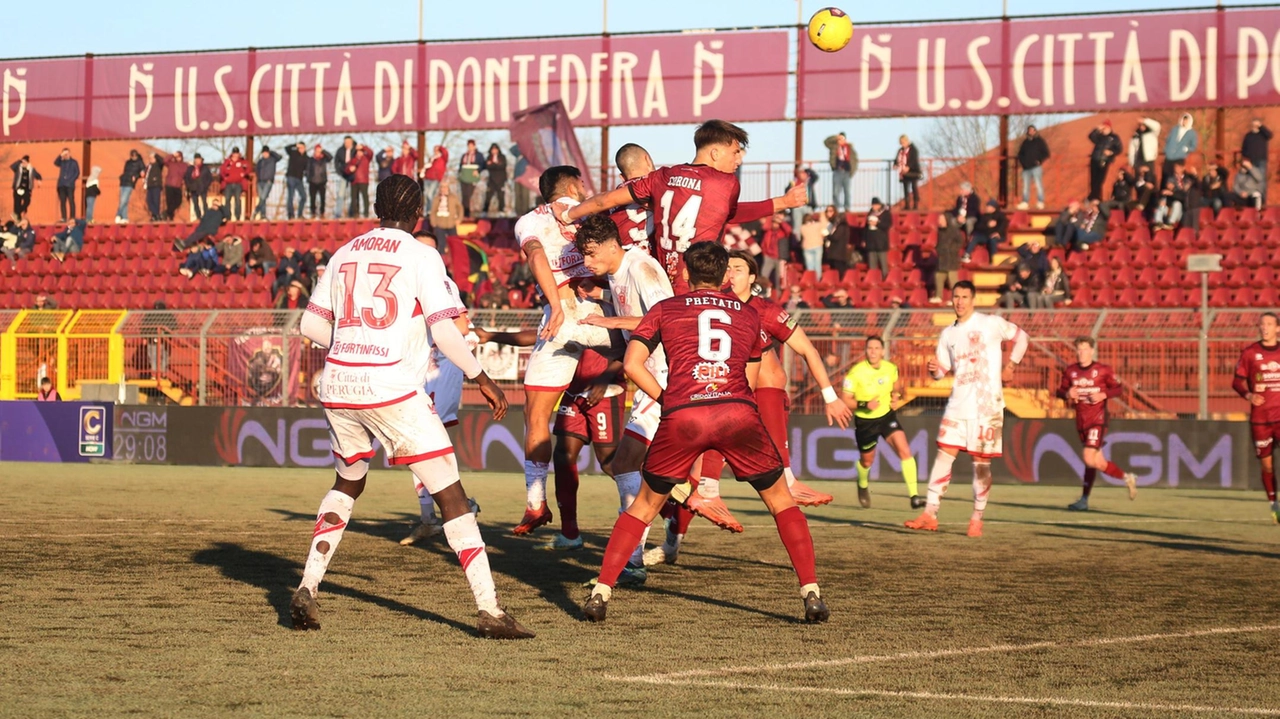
[633,364]
[523,338]
[612,323]
[317,329]
[596,203]
[837,411]
[546,279]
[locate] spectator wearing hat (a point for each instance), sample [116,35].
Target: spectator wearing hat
[907,163]
[314,257]
[876,237]
[1247,188]
[1032,255]
[265,172]
[133,169]
[1032,154]
[844,162]
[318,180]
[25,180]
[346,176]
[1178,146]
[990,231]
[235,174]
[1144,146]
[1105,148]
[295,178]
[1256,146]
[68,176]
[293,297]
[175,172]
[198,179]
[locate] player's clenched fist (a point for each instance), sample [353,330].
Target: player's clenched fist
[934,368]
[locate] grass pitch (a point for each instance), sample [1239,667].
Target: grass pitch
[159,591]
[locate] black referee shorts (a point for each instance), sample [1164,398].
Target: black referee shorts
[869,431]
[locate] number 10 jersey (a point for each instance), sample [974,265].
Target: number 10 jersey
[382,292]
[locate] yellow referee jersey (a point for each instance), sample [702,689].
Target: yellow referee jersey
[866,383]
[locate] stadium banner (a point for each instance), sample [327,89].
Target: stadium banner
[1163,453]
[628,80]
[1227,58]
[55,431]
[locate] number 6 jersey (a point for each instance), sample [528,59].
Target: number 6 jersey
[382,292]
[690,203]
[709,338]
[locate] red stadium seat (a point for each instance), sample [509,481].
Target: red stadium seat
[1101,277]
[1247,217]
[1167,258]
[1252,237]
[1124,276]
[1237,278]
[1270,217]
[1103,296]
[1150,297]
[1144,255]
[1226,218]
[1242,297]
[1233,257]
[1162,238]
[1265,297]
[1230,237]
[1261,277]
[1120,255]
[1169,278]
[1128,297]
[1173,298]
[1147,277]
[1135,220]
[1081,297]
[1258,257]
[1220,297]
[1080,276]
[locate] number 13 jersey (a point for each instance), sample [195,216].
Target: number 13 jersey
[382,291]
[690,203]
[709,338]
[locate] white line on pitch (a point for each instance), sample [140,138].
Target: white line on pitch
[942,653]
[1056,701]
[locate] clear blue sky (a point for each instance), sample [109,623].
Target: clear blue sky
[80,26]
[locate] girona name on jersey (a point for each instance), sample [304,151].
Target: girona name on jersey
[690,203]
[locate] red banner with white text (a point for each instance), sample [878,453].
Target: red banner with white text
[1228,58]
[631,80]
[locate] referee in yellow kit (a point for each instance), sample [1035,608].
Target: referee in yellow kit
[872,389]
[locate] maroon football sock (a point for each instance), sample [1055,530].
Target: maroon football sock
[683,518]
[1269,484]
[627,532]
[1090,474]
[567,498]
[712,464]
[794,530]
[772,403]
[1113,471]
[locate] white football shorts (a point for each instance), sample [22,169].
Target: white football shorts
[409,431]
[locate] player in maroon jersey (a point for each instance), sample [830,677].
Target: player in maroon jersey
[691,202]
[712,345]
[777,327]
[1258,381]
[1087,385]
[591,412]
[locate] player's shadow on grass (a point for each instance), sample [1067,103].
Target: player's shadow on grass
[278,577]
[1062,509]
[1167,540]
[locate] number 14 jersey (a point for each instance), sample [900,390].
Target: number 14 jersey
[709,338]
[690,203]
[382,291]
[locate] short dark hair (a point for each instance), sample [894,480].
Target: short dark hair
[1085,340]
[399,199]
[965,285]
[706,262]
[45,380]
[595,229]
[552,177]
[627,156]
[718,132]
[752,266]
[1272,315]
[875,338]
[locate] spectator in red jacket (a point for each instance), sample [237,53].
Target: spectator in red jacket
[174,178]
[358,170]
[235,174]
[407,163]
[432,174]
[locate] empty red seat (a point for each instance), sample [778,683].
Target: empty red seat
[1147,277]
[1237,278]
[1242,297]
[1265,297]
[1270,217]
[1169,278]
[1220,297]
[1173,298]
[1252,237]
[1257,257]
[1135,220]
[1233,257]
[1261,277]
[1226,217]
[1166,258]
[1101,277]
[1246,217]
[1150,297]
[1120,255]
[1124,276]
[1128,297]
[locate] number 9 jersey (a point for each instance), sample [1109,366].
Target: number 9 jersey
[709,338]
[690,203]
[382,292]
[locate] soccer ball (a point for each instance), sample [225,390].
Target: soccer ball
[830,29]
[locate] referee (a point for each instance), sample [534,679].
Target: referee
[871,389]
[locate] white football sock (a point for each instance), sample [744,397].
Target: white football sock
[709,487]
[328,533]
[463,535]
[981,487]
[939,479]
[628,488]
[535,484]
[791,477]
[427,507]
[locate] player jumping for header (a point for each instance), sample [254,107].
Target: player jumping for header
[1258,381]
[1087,385]
[973,421]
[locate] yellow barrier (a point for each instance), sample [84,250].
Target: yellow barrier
[74,347]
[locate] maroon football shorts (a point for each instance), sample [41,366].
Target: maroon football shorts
[1091,437]
[734,429]
[1265,436]
[600,423]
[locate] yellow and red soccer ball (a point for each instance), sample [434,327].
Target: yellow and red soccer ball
[830,29]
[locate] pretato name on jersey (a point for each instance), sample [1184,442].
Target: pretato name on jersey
[711,301]
[377,244]
[689,183]
[356,348]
